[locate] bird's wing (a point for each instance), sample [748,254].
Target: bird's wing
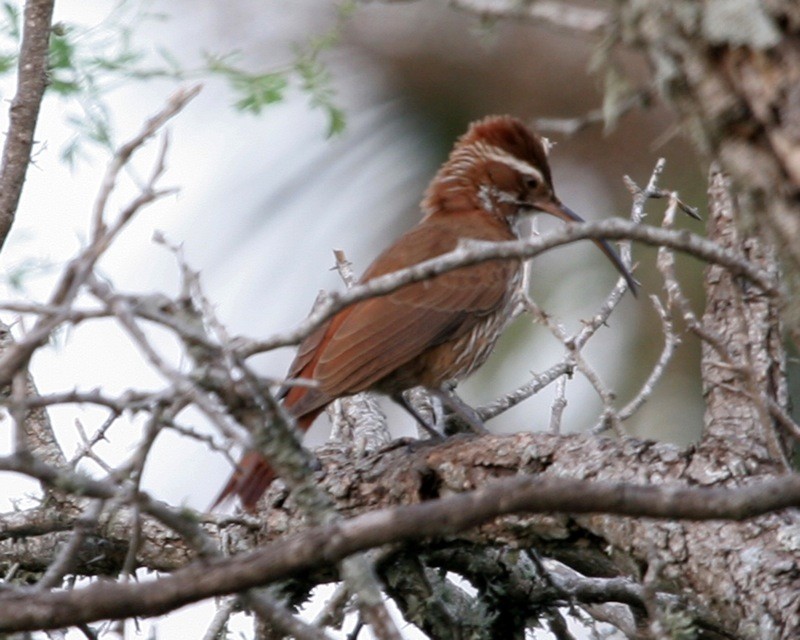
[379,335]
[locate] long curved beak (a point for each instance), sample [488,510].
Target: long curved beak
[559,210]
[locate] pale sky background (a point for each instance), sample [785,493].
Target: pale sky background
[262,203]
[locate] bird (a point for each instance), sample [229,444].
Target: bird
[435,332]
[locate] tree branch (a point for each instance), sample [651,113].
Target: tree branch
[475,253]
[328,543]
[80,267]
[24,112]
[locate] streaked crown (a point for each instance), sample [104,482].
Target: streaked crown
[497,165]
[500,167]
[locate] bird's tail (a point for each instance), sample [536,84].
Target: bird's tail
[254,474]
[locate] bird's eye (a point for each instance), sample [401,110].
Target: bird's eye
[531,182]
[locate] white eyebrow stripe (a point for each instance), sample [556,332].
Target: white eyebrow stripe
[498,155]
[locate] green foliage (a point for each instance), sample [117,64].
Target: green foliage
[87,63]
[18,275]
[9,36]
[255,91]
[315,79]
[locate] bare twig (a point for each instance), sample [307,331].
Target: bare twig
[128,400]
[179,521]
[671,342]
[571,126]
[558,406]
[218,624]
[87,450]
[576,359]
[532,387]
[613,418]
[280,617]
[271,429]
[175,105]
[80,268]
[611,229]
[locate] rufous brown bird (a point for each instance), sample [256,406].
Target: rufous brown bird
[435,332]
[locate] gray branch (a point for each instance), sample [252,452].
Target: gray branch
[24,112]
[525,496]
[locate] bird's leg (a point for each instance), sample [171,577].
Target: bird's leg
[401,399]
[462,410]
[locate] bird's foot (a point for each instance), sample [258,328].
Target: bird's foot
[463,417]
[400,399]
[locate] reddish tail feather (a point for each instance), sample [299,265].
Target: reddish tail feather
[254,474]
[249,481]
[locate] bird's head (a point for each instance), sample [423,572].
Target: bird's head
[500,166]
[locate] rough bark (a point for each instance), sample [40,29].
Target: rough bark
[735,85]
[712,563]
[24,112]
[731,71]
[734,579]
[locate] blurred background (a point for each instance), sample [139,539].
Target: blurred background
[265,199]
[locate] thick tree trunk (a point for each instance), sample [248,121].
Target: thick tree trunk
[731,70]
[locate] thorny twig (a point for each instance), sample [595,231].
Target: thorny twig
[79,274]
[611,416]
[80,268]
[475,253]
[121,488]
[574,359]
[219,370]
[742,366]
[87,450]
